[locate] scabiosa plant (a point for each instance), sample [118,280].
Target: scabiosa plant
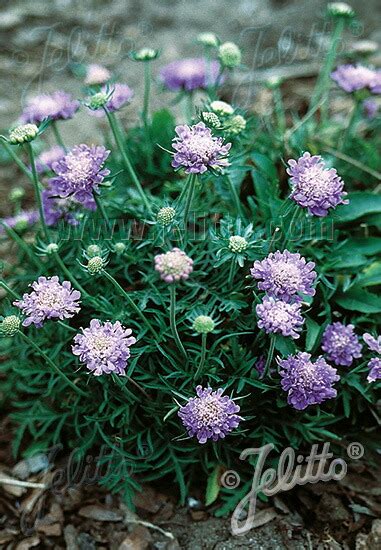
[96,74]
[307,382]
[374,366]
[57,106]
[352,78]
[278,317]
[210,415]
[118,95]
[104,347]
[197,149]
[314,186]
[46,159]
[173,265]
[189,74]
[374,344]
[341,344]
[49,299]
[285,275]
[67,209]
[79,173]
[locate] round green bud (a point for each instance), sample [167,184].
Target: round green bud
[21,225]
[93,250]
[236,125]
[16,194]
[97,101]
[203,324]
[340,9]
[95,265]
[237,244]
[119,248]
[23,134]
[208,39]
[166,215]
[10,325]
[274,82]
[211,119]
[229,55]
[222,108]
[145,54]
[52,248]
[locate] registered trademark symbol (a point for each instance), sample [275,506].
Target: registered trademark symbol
[355,450]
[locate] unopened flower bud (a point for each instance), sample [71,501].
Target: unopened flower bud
[203,324]
[97,101]
[211,119]
[229,55]
[236,125]
[222,108]
[340,9]
[119,248]
[95,265]
[166,215]
[145,54]
[93,250]
[16,194]
[208,39]
[237,244]
[23,134]
[52,248]
[10,325]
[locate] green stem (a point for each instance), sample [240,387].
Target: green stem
[231,273]
[203,356]
[235,196]
[131,303]
[57,135]
[350,160]
[101,208]
[147,90]
[22,244]
[51,363]
[270,354]
[188,106]
[69,275]
[188,201]
[9,290]
[119,142]
[37,190]
[279,110]
[17,161]
[172,319]
[351,124]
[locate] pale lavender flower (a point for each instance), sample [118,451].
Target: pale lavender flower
[56,106]
[375,86]
[68,209]
[374,344]
[341,344]
[21,221]
[190,74]
[374,366]
[173,265]
[96,74]
[352,78]
[104,347]
[120,95]
[314,186]
[46,159]
[210,415]
[79,173]
[370,107]
[307,383]
[49,299]
[285,275]
[197,149]
[278,317]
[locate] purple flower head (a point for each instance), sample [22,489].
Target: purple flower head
[79,173]
[197,149]
[56,106]
[307,383]
[278,317]
[285,275]
[68,209]
[375,86]
[21,221]
[104,347]
[96,74]
[46,159]
[173,265]
[260,365]
[353,77]
[341,344]
[370,107]
[49,299]
[374,366]
[190,74]
[374,344]
[314,186]
[120,95]
[210,415]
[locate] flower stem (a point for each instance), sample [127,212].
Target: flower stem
[17,161]
[9,290]
[147,90]
[351,124]
[189,197]
[22,244]
[279,109]
[102,210]
[127,163]
[270,354]
[200,367]
[131,303]
[58,136]
[172,319]
[235,196]
[51,363]
[37,190]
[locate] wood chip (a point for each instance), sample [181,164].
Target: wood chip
[100,513]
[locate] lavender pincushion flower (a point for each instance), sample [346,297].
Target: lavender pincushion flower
[314,186]
[374,366]
[120,95]
[210,415]
[96,74]
[173,265]
[104,347]
[374,344]
[56,106]
[21,221]
[197,149]
[352,78]
[46,159]
[341,344]
[49,299]
[79,173]
[307,383]
[190,74]
[375,86]
[68,209]
[278,317]
[285,275]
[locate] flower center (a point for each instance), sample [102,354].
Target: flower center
[208,412]
[286,275]
[79,167]
[51,298]
[202,146]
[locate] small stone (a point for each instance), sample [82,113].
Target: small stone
[139,539]
[100,513]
